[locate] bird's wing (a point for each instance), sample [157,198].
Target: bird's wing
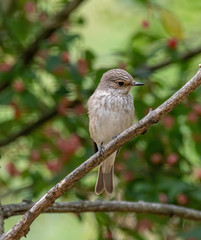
[118,152]
[95,147]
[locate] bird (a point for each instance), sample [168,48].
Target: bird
[110,111]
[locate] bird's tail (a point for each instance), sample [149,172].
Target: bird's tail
[105,179]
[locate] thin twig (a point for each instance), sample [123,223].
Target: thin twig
[14,191]
[21,228]
[1,220]
[29,128]
[52,25]
[34,125]
[107,206]
[182,57]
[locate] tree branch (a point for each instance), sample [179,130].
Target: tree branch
[22,226]
[33,126]
[29,128]
[107,206]
[52,25]
[1,220]
[182,57]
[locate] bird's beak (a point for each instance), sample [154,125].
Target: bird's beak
[137,84]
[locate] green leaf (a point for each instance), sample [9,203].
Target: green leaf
[171,24]
[29,100]
[6,97]
[52,62]
[193,233]
[132,233]
[103,218]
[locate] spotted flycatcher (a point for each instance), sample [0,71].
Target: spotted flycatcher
[111,111]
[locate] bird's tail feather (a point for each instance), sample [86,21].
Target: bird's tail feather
[108,180]
[99,183]
[104,181]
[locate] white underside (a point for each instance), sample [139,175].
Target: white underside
[108,122]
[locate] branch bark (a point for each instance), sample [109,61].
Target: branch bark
[107,206]
[21,227]
[51,26]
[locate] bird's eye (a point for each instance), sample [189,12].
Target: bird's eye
[121,83]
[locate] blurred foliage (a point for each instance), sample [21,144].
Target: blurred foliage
[162,165]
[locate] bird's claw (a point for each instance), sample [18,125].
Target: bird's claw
[114,137]
[144,132]
[101,149]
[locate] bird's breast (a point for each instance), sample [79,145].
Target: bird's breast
[109,116]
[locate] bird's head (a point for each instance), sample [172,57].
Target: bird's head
[118,80]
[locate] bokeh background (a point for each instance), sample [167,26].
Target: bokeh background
[43,115]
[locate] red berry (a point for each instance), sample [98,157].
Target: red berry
[16,110]
[63,106]
[156,158]
[30,7]
[59,70]
[43,53]
[5,67]
[199,174]
[126,155]
[65,57]
[168,122]
[172,43]
[145,23]
[54,166]
[163,198]
[108,235]
[119,167]
[144,225]
[12,170]
[197,108]
[79,109]
[18,86]
[43,16]
[128,176]
[197,137]
[172,159]
[182,199]
[35,155]
[192,117]
[54,38]
[69,145]
[67,25]
[82,67]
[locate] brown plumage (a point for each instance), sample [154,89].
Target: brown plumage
[111,111]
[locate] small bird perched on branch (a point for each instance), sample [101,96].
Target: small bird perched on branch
[111,111]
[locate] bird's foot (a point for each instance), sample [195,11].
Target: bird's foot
[101,149]
[115,137]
